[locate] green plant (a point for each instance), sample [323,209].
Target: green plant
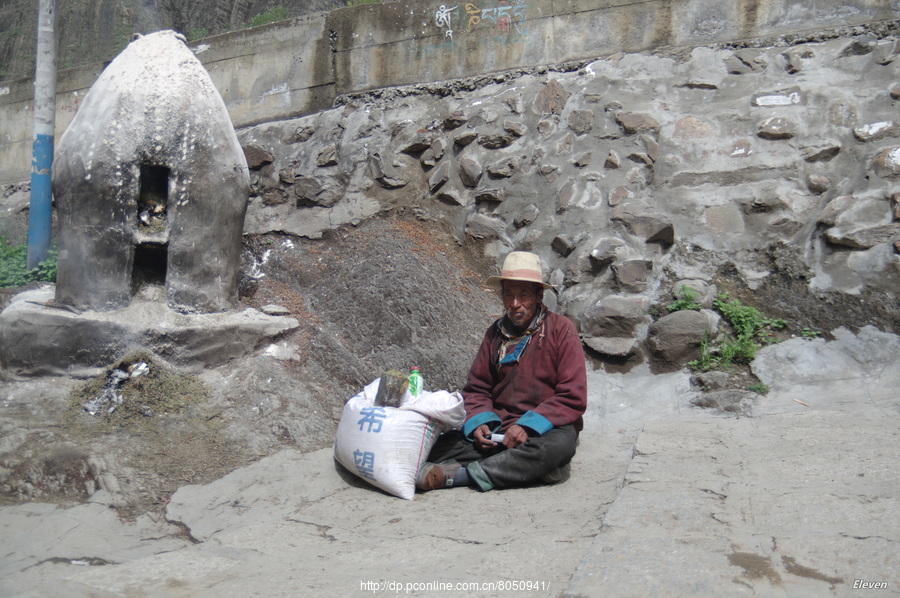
[760,388]
[744,319]
[276,13]
[810,333]
[750,326]
[13,269]
[737,350]
[686,299]
[361,2]
[197,33]
[705,363]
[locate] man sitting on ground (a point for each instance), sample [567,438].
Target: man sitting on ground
[528,382]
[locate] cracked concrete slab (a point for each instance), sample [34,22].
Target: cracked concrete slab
[664,498]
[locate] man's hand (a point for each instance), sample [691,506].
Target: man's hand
[515,436]
[482,436]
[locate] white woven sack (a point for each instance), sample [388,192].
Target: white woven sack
[385,446]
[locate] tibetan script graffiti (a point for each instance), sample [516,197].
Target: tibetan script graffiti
[442,19]
[506,16]
[503,16]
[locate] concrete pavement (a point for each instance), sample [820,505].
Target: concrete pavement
[665,498]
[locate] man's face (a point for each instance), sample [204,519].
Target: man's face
[520,301]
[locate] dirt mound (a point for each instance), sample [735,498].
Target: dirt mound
[389,294]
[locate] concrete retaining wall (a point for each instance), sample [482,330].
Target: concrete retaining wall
[299,66]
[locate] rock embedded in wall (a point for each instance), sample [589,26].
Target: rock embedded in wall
[581,121]
[877,131]
[863,238]
[886,163]
[528,215]
[551,99]
[675,339]
[820,152]
[777,127]
[470,171]
[633,275]
[257,157]
[636,122]
[746,61]
[644,222]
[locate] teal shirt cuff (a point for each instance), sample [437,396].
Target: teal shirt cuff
[485,417]
[536,422]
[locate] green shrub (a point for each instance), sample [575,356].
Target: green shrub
[13,269]
[705,363]
[759,388]
[750,326]
[276,13]
[686,299]
[197,33]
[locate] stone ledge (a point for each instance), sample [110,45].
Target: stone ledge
[36,339]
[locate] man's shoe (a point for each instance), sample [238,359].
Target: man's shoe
[434,476]
[558,475]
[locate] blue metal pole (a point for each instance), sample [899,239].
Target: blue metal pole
[41,203]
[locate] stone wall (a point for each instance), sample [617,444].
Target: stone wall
[771,170]
[300,66]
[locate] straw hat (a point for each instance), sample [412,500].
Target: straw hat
[520,265]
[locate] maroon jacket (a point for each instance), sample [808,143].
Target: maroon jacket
[547,388]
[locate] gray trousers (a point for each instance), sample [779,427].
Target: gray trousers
[537,460]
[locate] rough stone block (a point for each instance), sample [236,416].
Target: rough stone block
[745,61]
[774,99]
[490,195]
[777,128]
[469,171]
[675,339]
[887,163]
[455,120]
[606,251]
[634,122]
[485,226]
[614,346]
[418,143]
[863,238]
[581,121]
[566,197]
[579,268]
[527,216]
[583,160]
[563,245]
[877,131]
[514,128]
[549,172]
[818,183]
[496,141]
[257,157]
[327,156]
[551,99]
[615,316]
[465,138]
[612,160]
[728,401]
[633,274]
[645,222]
[503,169]
[440,176]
